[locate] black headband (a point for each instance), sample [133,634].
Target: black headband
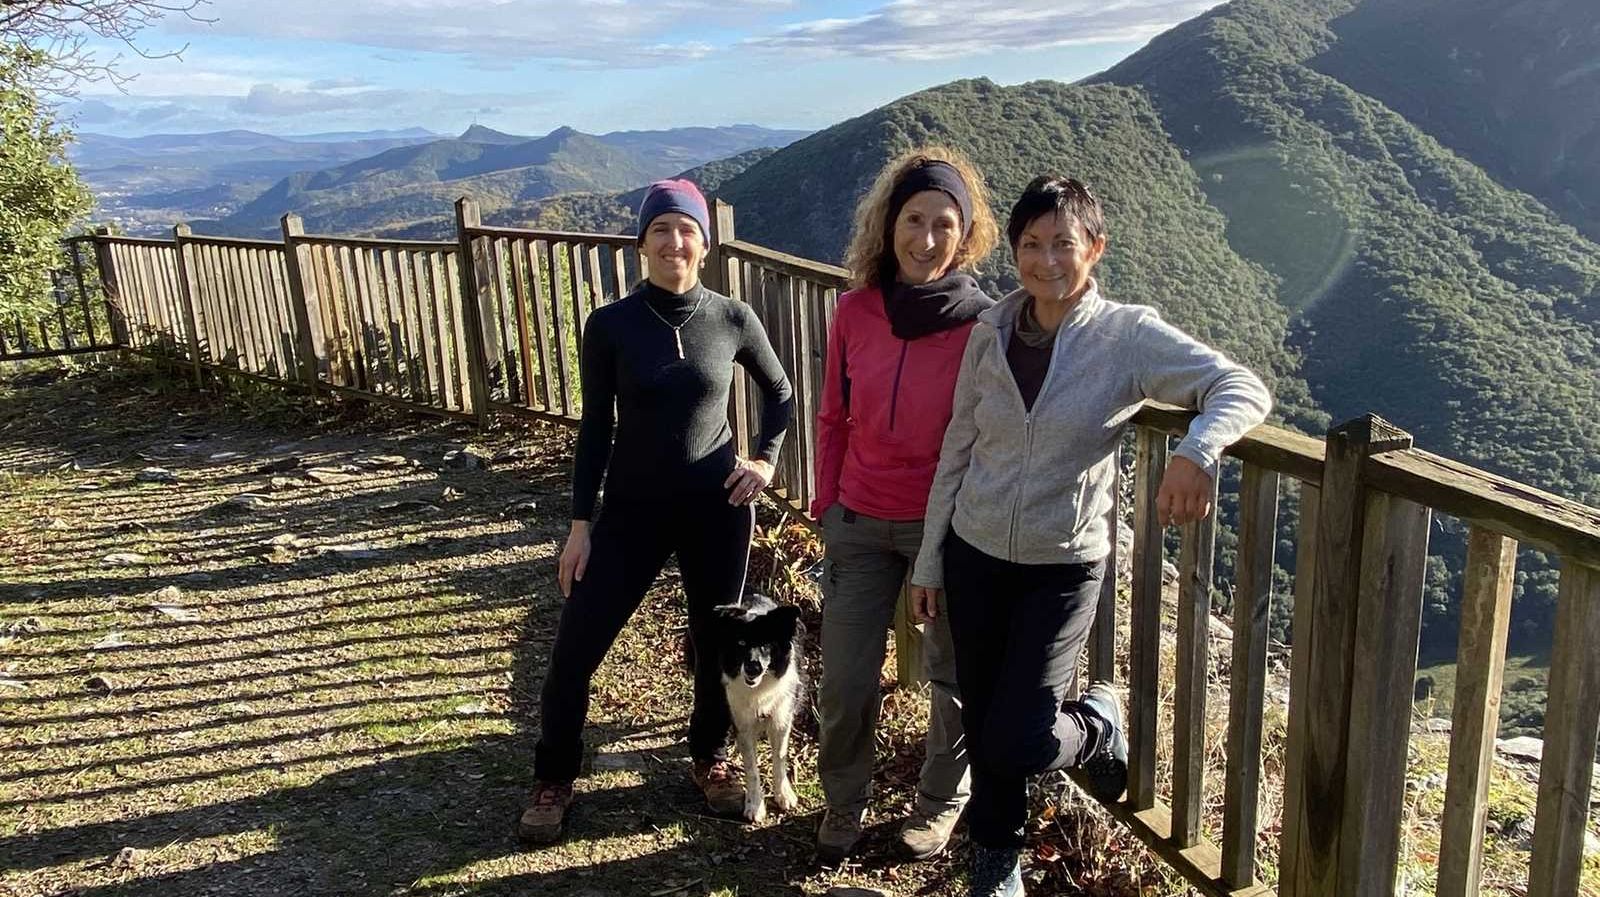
[932,175]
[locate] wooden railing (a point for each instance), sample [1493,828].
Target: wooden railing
[1366,504]
[493,323]
[533,292]
[382,320]
[72,319]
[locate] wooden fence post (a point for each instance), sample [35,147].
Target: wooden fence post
[293,227]
[723,279]
[467,216]
[1571,723]
[1349,722]
[108,288]
[180,234]
[1475,714]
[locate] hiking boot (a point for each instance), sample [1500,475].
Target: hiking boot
[996,872]
[721,785]
[544,815]
[838,835]
[926,831]
[1105,772]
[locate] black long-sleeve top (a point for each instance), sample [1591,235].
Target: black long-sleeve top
[671,418]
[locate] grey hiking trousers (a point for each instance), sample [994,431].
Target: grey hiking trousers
[864,567]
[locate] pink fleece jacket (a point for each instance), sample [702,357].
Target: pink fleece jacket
[885,405]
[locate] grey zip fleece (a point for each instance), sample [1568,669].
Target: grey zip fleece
[1035,487]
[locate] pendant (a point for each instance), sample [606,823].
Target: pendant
[678,338]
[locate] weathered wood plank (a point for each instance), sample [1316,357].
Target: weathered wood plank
[790,265]
[564,381]
[618,241]
[1394,559]
[83,293]
[186,293]
[1266,446]
[416,327]
[456,266]
[351,266]
[501,321]
[421,293]
[1475,713]
[519,292]
[1196,565]
[1200,864]
[1294,793]
[1572,717]
[467,217]
[1252,611]
[1319,710]
[543,295]
[437,287]
[1533,516]
[1144,664]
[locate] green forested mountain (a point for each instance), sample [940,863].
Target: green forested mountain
[413,182]
[1425,291]
[1306,226]
[1512,86]
[1167,244]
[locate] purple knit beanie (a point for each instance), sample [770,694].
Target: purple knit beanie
[677,195]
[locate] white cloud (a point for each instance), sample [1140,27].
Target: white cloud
[914,30]
[583,33]
[338,83]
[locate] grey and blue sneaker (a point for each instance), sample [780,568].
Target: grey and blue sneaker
[1105,772]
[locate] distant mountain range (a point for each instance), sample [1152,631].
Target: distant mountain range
[240,182]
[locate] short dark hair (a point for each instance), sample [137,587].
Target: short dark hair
[1055,194]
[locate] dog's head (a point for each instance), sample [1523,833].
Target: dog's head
[756,640]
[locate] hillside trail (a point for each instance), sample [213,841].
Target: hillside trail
[252,650]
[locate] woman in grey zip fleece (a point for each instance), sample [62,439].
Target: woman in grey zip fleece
[1016,533]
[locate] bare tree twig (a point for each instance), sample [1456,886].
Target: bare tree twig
[62,30]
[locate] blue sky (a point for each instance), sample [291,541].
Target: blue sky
[528,66]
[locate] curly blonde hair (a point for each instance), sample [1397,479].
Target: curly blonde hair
[866,251]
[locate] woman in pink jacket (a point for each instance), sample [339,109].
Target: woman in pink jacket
[893,353]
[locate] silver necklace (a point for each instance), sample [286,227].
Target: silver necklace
[677,335]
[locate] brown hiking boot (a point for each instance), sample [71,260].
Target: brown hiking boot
[927,831]
[721,785]
[544,815]
[838,835]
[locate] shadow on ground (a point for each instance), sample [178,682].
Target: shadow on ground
[332,691]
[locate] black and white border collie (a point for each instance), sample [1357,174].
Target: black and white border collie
[758,651]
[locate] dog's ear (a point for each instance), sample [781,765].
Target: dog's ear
[783,621]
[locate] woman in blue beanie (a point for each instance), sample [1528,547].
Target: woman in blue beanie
[663,357]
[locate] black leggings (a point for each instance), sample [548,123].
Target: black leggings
[1018,630]
[629,545]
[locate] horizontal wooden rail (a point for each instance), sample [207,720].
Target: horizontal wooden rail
[56,353]
[792,265]
[216,240]
[1269,447]
[618,241]
[120,240]
[374,242]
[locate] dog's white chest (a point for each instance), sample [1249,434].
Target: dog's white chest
[763,700]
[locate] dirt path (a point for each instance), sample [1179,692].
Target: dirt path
[330,687]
